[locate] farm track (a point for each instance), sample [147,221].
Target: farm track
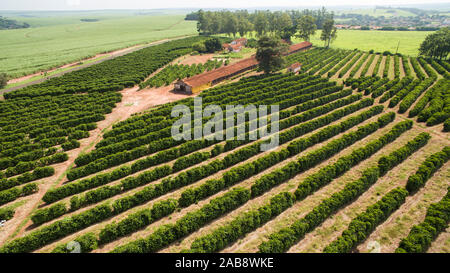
[114,54]
[333,227]
[251,242]
[177,193]
[388,233]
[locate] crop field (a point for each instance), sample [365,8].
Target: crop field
[377,40]
[361,165]
[48,45]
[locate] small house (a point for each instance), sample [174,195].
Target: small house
[295,67]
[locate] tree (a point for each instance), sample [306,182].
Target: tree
[213,45]
[283,26]
[436,45]
[306,27]
[3,80]
[329,32]
[261,24]
[270,54]
[231,24]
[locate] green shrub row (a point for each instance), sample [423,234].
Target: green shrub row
[361,226]
[422,235]
[427,169]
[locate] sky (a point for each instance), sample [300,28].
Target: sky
[158,4]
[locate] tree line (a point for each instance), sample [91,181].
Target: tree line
[284,24]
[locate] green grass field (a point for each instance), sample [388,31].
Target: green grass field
[56,40]
[377,40]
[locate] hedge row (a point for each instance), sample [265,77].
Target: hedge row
[380,90]
[361,226]
[111,75]
[431,94]
[349,65]
[139,126]
[402,93]
[37,173]
[47,214]
[427,169]
[181,180]
[358,65]
[374,86]
[403,83]
[243,224]
[39,238]
[431,73]
[377,65]
[102,193]
[406,67]
[285,238]
[436,102]
[242,172]
[368,64]
[6,214]
[189,223]
[412,96]
[254,219]
[441,70]
[70,145]
[396,66]
[338,58]
[387,65]
[77,187]
[422,235]
[387,162]
[282,240]
[285,173]
[137,221]
[327,174]
[23,167]
[155,146]
[14,193]
[417,69]
[336,68]
[87,243]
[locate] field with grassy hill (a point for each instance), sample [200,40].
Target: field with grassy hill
[54,41]
[379,41]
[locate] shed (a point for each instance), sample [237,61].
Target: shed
[295,67]
[203,81]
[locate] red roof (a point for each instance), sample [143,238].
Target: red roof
[241,40]
[223,71]
[295,65]
[299,46]
[236,47]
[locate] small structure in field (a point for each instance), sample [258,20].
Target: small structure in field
[203,81]
[198,83]
[299,47]
[295,67]
[235,45]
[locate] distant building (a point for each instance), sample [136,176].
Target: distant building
[235,45]
[299,47]
[203,81]
[240,41]
[295,67]
[198,83]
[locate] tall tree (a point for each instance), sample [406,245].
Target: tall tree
[283,24]
[269,53]
[437,44]
[329,32]
[261,24]
[306,27]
